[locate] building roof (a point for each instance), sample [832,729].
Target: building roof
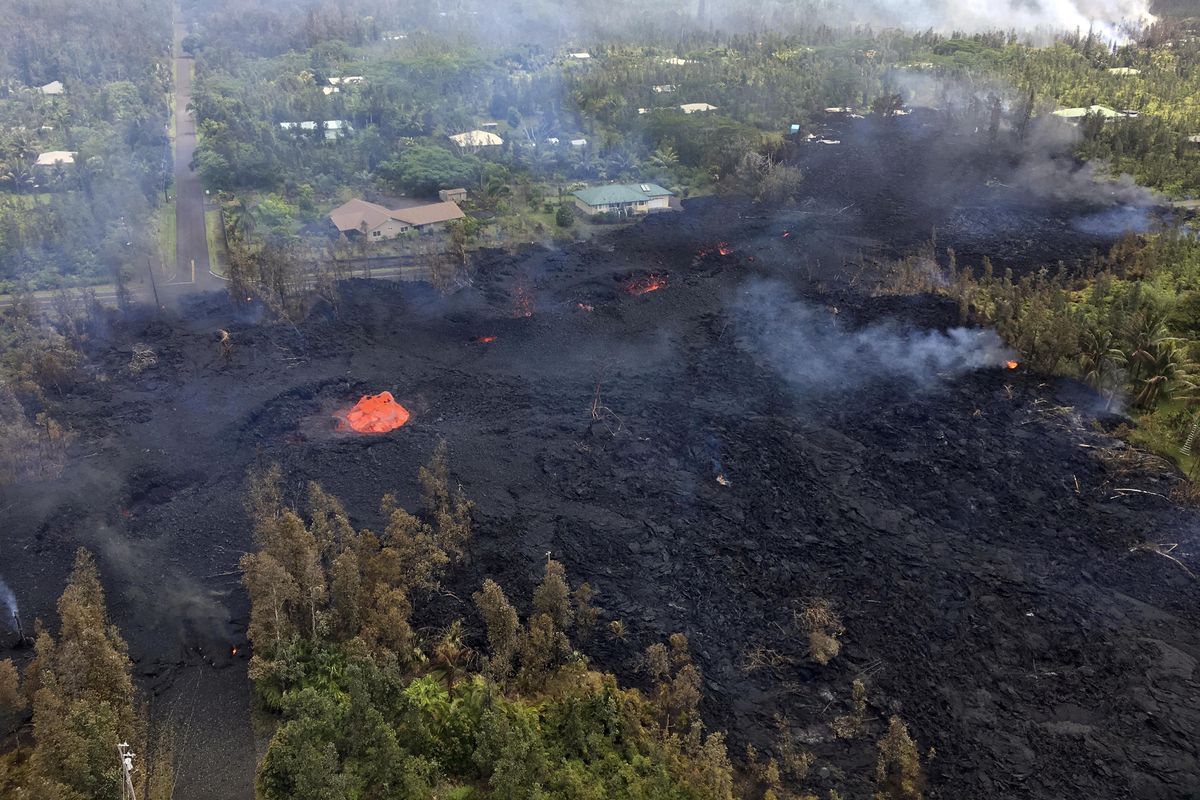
[429,214]
[52,157]
[616,193]
[692,108]
[53,87]
[1077,113]
[1124,71]
[476,139]
[351,215]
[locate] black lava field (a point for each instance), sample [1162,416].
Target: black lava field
[759,430]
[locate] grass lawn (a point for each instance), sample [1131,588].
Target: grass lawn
[218,259]
[166,232]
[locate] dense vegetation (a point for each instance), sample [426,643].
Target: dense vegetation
[87,221]
[83,703]
[371,709]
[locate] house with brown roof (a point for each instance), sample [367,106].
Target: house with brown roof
[378,222]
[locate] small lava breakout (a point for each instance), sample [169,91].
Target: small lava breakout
[376,413]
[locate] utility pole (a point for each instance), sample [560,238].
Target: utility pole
[125,752]
[153,285]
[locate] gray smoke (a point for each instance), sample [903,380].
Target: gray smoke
[1109,19]
[816,353]
[10,601]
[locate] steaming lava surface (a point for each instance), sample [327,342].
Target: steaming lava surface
[707,468]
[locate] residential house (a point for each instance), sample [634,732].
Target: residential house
[1125,72]
[476,139]
[1074,115]
[676,62]
[625,199]
[581,142]
[694,108]
[376,222]
[49,159]
[580,56]
[334,128]
[665,88]
[53,87]
[452,195]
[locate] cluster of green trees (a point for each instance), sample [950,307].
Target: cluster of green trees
[81,698]
[76,223]
[1128,326]
[370,708]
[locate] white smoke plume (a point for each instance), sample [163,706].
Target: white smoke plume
[1109,19]
[10,602]
[817,354]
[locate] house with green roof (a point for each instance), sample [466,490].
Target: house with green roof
[623,198]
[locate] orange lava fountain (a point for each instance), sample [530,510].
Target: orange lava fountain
[650,283]
[1011,364]
[485,339]
[374,413]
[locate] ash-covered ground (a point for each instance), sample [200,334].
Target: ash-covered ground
[964,518]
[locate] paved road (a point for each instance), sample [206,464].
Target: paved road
[191,245]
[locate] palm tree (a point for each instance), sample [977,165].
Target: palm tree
[18,176]
[664,157]
[1162,372]
[241,218]
[1145,331]
[1100,360]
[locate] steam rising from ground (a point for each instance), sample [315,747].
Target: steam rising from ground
[815,352]
[10,601]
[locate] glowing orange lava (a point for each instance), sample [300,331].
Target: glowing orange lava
[721,248]
[1011,364]
[486,339]
[374,413]
[650,283]
[523,300]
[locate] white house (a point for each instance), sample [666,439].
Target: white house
[53,87]
[580,56]
[664,88]
[694,108]
[52,157]
[579,142]
[627,198]
[476,139]
[334,128]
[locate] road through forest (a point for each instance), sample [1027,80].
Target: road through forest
[210,706]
